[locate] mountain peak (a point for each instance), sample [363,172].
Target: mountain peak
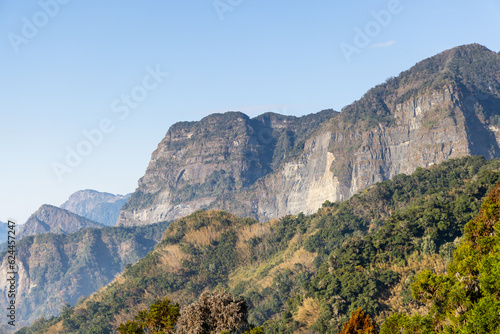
[473,48]
[51,219]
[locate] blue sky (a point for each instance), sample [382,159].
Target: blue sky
[66,67]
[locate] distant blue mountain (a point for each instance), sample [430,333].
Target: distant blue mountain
[3,232]
[98,206]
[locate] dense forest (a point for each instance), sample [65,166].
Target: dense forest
[412,254]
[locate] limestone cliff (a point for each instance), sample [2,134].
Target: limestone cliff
[444,107]
[200,163]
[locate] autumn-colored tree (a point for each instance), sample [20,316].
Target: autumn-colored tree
[360,323]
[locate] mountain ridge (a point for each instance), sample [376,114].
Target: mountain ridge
[446,106]
[224,152]
[52,219]
[307,272]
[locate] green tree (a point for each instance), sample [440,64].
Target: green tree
[160,318]
[466,299]
[403,324]
[130,327]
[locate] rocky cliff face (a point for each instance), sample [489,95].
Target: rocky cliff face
[51,219]
[200,163]
[97,206]
[444,107]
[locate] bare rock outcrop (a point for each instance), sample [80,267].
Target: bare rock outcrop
[447,106]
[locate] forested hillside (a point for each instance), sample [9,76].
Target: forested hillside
[467,298]
[303,272]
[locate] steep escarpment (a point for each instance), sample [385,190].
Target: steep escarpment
[199,163]
[444,107]
[343,159]
[51,219]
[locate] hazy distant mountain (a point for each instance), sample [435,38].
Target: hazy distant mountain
[51,219]
[3,232]
[100,207]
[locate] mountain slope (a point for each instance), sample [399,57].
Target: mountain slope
[447,106]
[365,247]
[51,219]
[54,269]
[100,207]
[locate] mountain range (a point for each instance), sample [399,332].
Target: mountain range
[323,213]
[272,165]
[84,208]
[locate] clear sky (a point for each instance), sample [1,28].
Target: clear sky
[70,66]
